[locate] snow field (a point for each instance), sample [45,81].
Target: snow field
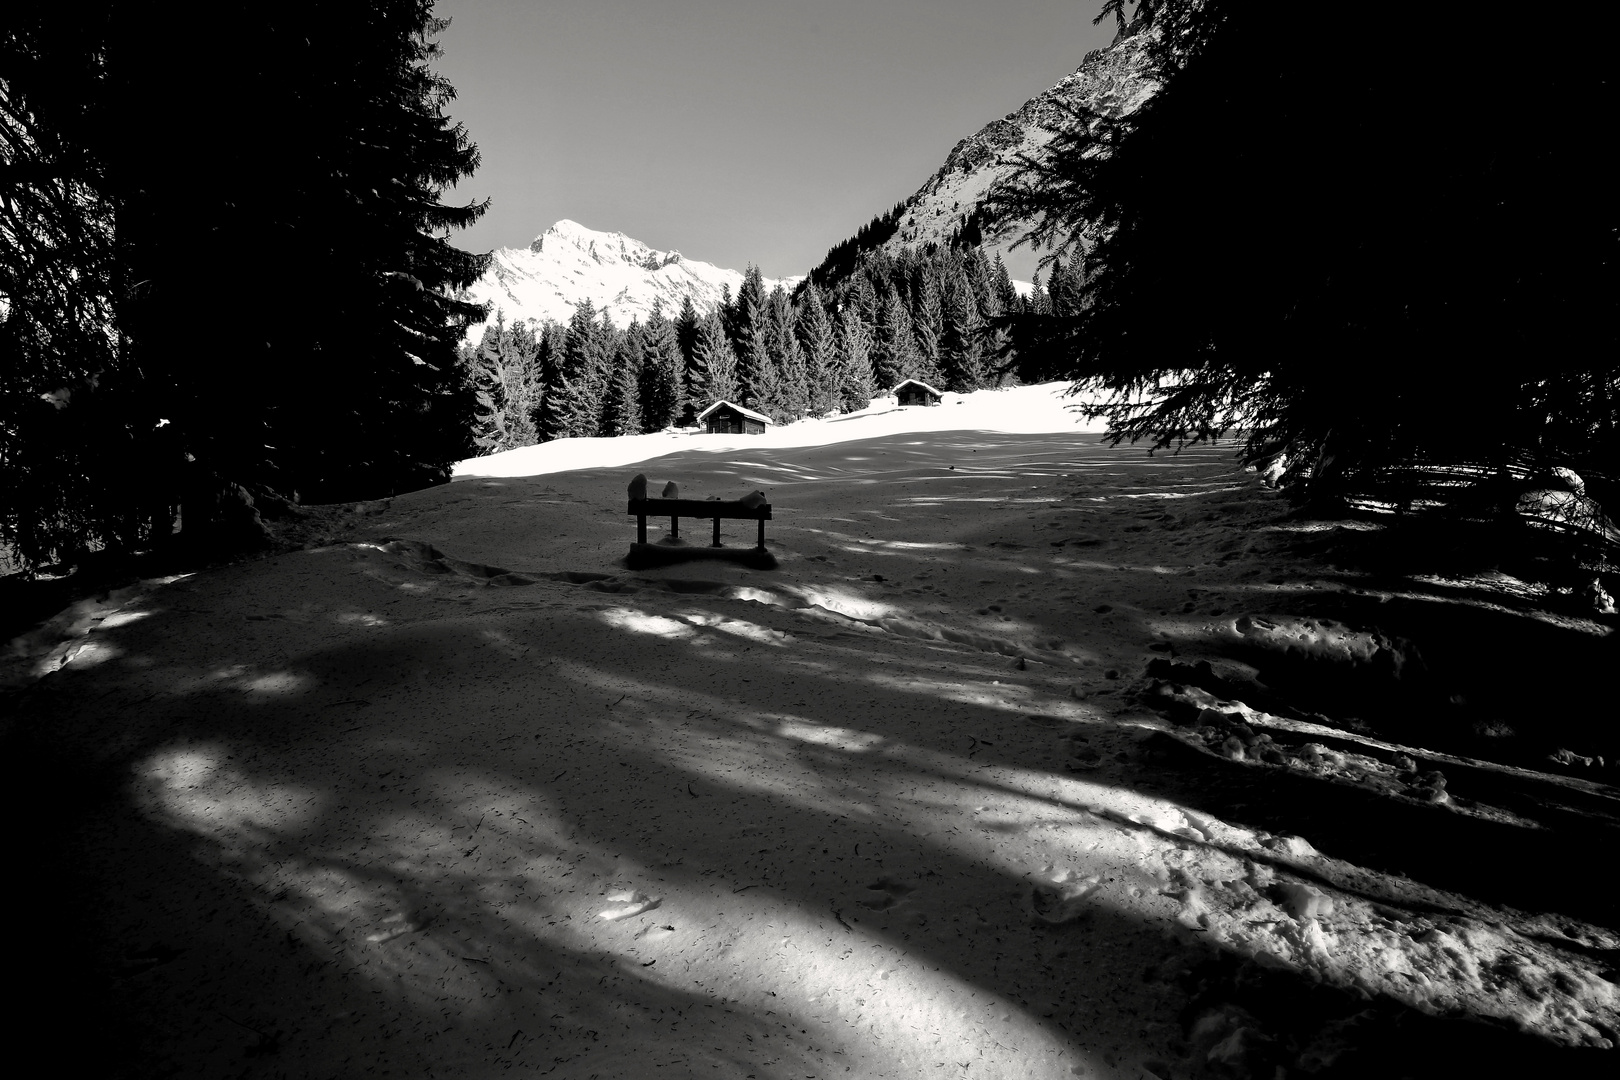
[456,792]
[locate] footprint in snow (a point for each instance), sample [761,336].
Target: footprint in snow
[887,894]
[1060,898]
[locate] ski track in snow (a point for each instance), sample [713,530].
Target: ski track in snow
[463,795]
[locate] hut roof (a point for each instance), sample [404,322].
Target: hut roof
[750,413]
[917,383]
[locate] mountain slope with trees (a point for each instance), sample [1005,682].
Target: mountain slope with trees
[954,205]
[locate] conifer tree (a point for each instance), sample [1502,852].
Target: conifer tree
[894,355]
[727,310]
[855,361]
[504,370]
[577,405]
[928,320]
[692,378]
[771,394]
[1037,303]
[982,278]
[1003,300]
[621,396]
[662,369]
[867,302]
[549,393]
[715,357]
[790,382]
[748,330]
[488,393]
[962,346]
[322,147]
[1006,295]
[1066,287]
[1058,300]
[818,340]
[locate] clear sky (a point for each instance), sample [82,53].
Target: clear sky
[735,131]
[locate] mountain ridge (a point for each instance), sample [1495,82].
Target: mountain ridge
[568,263]
[623,277]
[1109,81]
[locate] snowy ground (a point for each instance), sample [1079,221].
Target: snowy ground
[1034,758]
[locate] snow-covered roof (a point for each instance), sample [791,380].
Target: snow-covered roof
[918,382]
[750,413]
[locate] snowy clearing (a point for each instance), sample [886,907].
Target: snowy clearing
[1035,758]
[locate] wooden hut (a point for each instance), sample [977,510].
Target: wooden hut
[915,392]
[724,418]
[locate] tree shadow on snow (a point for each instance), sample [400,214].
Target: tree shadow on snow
[232,940]
[233,949]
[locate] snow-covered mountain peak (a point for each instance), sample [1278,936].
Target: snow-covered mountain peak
[620,275]
[603,247]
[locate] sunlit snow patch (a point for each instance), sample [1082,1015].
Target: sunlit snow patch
[195,788]
[122,618]
[627,903]
[822,735]
[275,683]
[639,622]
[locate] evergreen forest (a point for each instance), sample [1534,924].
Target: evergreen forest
[875,318]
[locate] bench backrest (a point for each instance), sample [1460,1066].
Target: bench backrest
[699,508]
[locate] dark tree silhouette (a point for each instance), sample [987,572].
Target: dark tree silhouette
[273,305]
[1362,254]
[59,283]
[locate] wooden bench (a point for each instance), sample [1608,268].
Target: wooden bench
[674,549]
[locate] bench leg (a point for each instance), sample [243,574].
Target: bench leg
[674,528]
[641,528]
[762,534]
[716,533]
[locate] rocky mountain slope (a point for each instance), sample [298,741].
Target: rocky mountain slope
[1108,81]
[569,263]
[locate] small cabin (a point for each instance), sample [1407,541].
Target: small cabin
[915,392]
[724,418]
